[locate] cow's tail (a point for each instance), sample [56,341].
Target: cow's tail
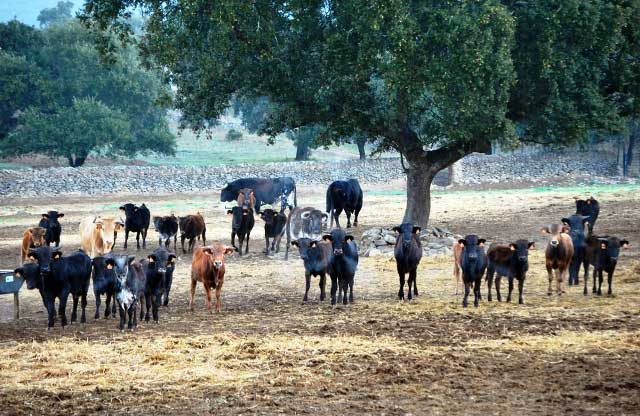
[330,207]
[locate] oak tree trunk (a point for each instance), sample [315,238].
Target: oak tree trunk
[303,151]
[361,150]
[418,208]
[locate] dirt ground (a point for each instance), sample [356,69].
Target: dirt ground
[268,353]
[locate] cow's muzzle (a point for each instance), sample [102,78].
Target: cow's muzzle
[338,252]
[217,264]
[523,259]
[162,270]
[554,243]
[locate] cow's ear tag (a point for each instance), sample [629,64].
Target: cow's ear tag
[109,266]
[313,244]
[57,256]
[512,247]
[603,246]
[18,274]
[151,260]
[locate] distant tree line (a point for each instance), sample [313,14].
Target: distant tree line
[59,99]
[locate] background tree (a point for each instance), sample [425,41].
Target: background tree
[434,80]
[57,14]
[48,71]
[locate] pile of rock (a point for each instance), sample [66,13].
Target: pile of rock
[436,241]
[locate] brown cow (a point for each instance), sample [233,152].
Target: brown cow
[192,227]
[31,238]
[558,254]
[208,268]
[97,234]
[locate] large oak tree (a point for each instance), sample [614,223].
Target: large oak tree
[433,79]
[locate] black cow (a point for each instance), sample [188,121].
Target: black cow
[408,253]
[343,264]
[577,223]
[589,208]
[242,222]
[62,276]
[167,227]
[192,227]
[130,285]
[347,196]
[158,269]
[267,191]
[602,253]
[510,260]
[316,256]
[274,223]
[50,223]
[104,283]
[31,273]
[136,221]
[473,265]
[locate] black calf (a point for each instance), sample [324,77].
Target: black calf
[408,253]
[137,221]
[343,264]
[473,265]
[316,256]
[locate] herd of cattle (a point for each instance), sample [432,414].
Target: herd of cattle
[129,283]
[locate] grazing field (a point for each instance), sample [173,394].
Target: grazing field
[267,353]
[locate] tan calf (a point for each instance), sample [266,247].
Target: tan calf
[558,254]
[31,238]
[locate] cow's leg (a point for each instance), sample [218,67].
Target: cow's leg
[193,293]
[142,301]
[107,308]
[167,288]
[148,304]
[182,238]
[550,276]
[126,238]
[490,273]
[414,273]
[510,289]
[144,237]
[204,237]
[62,309]
[520,290]
[476,292]
[123,313]
[466,295]
[345,287]
[610,282]
[348,214]
[323,283]
[74,311]
[266,243]
[595,278]
[240,241]
[134,312]
[208,293]
[586,277]
[401,276]
[351,288]
[96,295]
[218,293]
[410,281]
[51,312]
[357,212]
[156,298]
[131,311]
[248,236]
[600,279]
[334,288]
[160,242]
[498,282]
[113,305]
[83,305]
[192,244]
[233,239]
[307,284]
[560,276]
[138,240]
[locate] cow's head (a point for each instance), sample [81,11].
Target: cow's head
[216,253]
[473,246]
[129,209]
[119,263]
[227,195]
[339,191]
[313,221]
[269,216]
[555,231]
[52,216]
[37,236]
[577,223]
[611,247]
[44,257]
[405,233]
[30,273]
[246,198]
[108,227]
[304,245]
[338,239]
[521,249]
[162,261]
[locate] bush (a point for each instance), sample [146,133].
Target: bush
[233,135]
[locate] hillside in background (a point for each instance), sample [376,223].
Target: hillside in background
[27,11]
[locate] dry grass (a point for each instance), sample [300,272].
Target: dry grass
[267,353]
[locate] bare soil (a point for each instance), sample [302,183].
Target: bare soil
[268,353]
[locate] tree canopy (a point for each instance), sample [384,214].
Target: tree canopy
[55,75]
[57,14]
[433,79]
